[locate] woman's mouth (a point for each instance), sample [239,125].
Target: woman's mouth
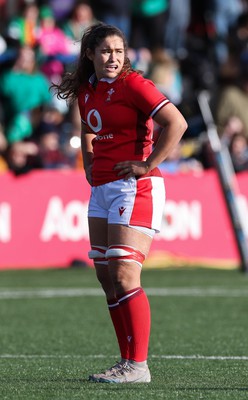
[112,67]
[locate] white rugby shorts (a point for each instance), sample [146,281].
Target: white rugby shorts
[132,202]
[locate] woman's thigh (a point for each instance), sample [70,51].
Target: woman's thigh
[127,235]
[98,231]
[133,247]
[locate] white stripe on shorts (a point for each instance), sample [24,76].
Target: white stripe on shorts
[157,200]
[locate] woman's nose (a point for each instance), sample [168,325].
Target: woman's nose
[112,56]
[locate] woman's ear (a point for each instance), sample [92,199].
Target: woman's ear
[89,54]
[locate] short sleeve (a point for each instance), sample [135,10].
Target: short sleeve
[143,94]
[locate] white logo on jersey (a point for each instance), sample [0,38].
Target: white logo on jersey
[86,98]
[110,92]
[94,120]
[105,137]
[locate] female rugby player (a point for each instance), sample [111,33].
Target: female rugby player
[117,107]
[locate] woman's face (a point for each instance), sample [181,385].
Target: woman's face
[108,58]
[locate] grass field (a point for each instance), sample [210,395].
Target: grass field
[55,331]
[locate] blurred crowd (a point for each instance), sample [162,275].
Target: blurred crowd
[184,46]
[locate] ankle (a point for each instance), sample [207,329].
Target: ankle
[138,363]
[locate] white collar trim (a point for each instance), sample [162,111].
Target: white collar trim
[109,80]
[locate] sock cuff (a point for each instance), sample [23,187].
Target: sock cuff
[129,295]
[112,303]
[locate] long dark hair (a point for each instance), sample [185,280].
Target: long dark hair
[71,82]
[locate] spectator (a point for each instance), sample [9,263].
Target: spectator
[61,8]
[148,24]
[55,49]
[50,151]
[117,13]
[200,65]
[22,157]
[176,162]
[232,101]
[239,152]
[233,126]
[165,73]
[225,15]
[176,27]
[80,18]
[60,129]
[52,40]
[141,59]
[238,40]
[24,28]
[23,90]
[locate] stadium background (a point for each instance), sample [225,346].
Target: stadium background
[55,327]
[209,55]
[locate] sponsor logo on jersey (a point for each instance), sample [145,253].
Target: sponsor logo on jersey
[105,137]
[86,98]
[94,120]
[121,210]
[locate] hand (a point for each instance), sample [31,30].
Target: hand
[131,168]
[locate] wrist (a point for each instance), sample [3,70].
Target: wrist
[147,166]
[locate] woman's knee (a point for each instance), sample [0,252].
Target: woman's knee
[124,276]
[104,278]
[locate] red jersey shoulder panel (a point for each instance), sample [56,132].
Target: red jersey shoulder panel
[142,93]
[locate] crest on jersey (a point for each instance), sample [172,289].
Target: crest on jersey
[110,92]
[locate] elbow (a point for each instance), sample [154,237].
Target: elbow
[183,126]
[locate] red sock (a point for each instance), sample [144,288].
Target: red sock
[135,307]
[119,325]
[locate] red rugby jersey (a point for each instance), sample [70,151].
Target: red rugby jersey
[120,113]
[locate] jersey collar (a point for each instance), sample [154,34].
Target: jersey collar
[109,80]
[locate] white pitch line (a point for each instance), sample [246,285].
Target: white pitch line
[200,357]
[48,293]
[95,356]
[12,293]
